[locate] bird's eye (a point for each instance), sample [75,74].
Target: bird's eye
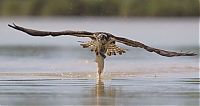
[103,35]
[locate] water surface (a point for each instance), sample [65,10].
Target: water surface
[57,71]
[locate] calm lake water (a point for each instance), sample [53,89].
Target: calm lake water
[57,71]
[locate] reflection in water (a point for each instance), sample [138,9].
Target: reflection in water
[104,95]
[99,88]
[78,92]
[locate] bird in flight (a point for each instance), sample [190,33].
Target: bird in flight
[101,43]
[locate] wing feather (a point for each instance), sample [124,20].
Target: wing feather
[33,32]
[113,49]
[132,43]
[90,35]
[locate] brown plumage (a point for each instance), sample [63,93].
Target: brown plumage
[113,49]
[102,43]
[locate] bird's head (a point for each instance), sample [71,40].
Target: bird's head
[102,37]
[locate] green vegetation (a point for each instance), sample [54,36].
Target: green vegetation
[99,7]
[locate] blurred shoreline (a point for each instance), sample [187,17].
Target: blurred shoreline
[99,8]
[104,17]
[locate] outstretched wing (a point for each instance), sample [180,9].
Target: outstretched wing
[48,33]
[151,49]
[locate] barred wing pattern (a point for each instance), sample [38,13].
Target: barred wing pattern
[89,44]
[113,49]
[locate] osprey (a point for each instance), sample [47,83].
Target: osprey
[101,43]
